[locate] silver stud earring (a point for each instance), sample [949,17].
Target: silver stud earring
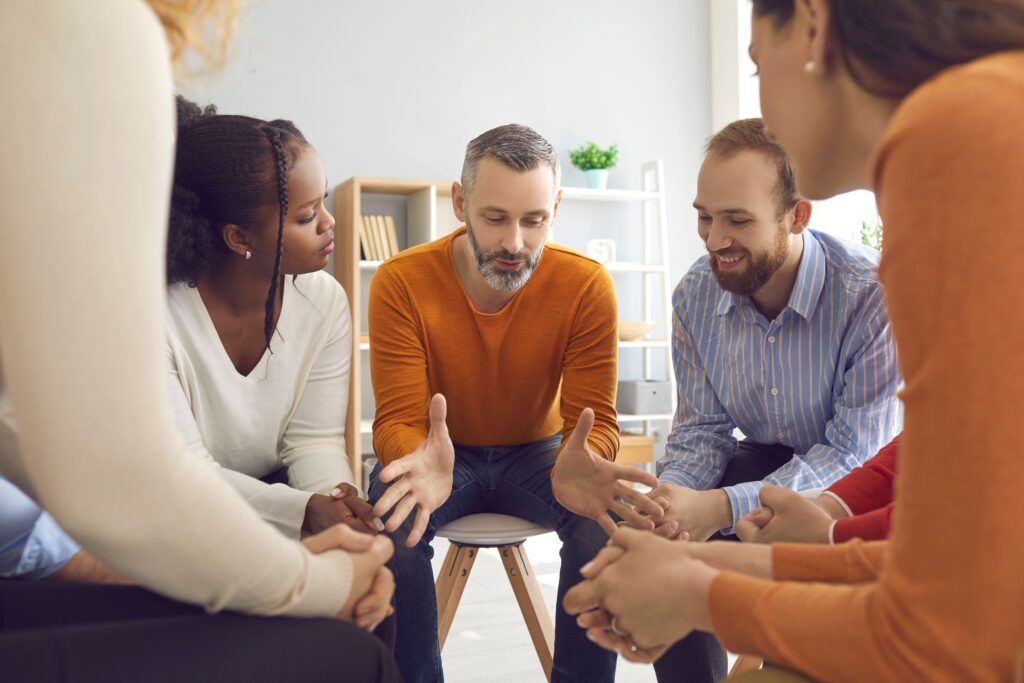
[248,254]
[809,66]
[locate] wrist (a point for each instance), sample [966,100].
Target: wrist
[311,519]
[752,559]
[721,508]
[698,578]
[829,503]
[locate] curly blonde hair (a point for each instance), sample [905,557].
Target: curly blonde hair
[202,26]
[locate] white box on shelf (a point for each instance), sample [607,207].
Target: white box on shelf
[644,397]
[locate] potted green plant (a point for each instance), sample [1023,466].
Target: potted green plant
[595,161]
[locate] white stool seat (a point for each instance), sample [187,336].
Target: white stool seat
[487,529]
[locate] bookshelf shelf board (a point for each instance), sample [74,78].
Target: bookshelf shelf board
[622,267]
[644,418]
[589,194]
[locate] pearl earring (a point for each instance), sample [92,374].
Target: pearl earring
[248,254]
[809,66]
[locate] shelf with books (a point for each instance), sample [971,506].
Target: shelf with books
[422,213]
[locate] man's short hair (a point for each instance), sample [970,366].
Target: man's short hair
[519,147]
[748,134]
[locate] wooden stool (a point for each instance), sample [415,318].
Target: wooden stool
[506,533]
[745,663]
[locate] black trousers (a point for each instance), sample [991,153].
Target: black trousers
[699,657]
[64,632]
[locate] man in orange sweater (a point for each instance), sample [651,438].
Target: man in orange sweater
[514,341]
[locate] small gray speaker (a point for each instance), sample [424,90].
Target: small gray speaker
[644,397]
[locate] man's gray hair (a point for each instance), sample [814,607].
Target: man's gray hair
[519,147]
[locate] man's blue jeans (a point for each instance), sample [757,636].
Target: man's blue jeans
[510,480]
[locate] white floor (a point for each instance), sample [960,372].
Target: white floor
[488,641]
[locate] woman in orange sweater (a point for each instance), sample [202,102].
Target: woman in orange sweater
[921,101]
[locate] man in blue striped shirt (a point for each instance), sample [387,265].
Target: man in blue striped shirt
[780,332]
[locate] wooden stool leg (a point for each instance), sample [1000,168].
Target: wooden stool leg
[531,602]
[745,663]
[450,584]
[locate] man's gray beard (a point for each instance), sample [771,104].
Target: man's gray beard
[497,279]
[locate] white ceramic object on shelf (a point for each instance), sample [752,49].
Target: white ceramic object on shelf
[601,250]
[631,330]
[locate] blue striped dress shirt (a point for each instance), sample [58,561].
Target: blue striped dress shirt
[32,546]
[821,378]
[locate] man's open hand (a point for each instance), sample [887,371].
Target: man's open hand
[422,479]
[589,485]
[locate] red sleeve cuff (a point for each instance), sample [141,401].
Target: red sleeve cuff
[871,526]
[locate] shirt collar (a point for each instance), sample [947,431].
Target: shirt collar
[810,280]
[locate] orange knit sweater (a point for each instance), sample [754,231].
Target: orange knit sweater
[943,599]
[511,377]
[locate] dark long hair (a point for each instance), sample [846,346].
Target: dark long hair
[226,169]
[892,46]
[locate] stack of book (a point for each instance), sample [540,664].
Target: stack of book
[377,238]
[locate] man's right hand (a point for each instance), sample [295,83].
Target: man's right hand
[424,477]
[369,598]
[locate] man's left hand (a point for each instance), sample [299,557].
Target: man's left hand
[589,485]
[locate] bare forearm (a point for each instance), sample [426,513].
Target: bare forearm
[83,567]
[752,559]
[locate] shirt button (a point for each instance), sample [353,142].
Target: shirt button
[779,436]
[771,340]
[775,391]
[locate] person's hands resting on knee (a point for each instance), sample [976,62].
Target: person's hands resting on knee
[590,485]
[343,506]
[422,479]
[788,516]
[373,585]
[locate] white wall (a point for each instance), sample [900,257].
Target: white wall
[397,88]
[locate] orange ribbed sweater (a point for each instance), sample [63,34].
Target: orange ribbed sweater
[943,599]
[511,377]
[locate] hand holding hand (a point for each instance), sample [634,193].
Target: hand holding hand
[343,506]
[785,516]
[650,614]
[589,485]
[369,599]
[361,509]
[424,477]
[375,606]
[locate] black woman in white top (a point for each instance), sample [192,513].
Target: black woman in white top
[259,336]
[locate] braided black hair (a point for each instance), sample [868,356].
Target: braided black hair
[282,193]
[227,168]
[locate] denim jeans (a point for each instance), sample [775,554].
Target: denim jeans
[699,657]
[510,480]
